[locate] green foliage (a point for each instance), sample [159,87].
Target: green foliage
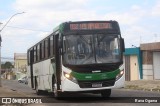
[7,65]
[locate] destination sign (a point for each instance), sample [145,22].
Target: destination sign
[90,26]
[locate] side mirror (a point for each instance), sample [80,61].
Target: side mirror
[53,60]
[122,45]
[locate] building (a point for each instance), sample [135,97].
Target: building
[151,60]
[20,64]
[133,64]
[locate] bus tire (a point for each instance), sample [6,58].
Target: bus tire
[106,93]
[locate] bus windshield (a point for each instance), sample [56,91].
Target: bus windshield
[91,49]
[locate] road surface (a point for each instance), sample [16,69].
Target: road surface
[87,99]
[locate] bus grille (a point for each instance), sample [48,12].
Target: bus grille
[89,84]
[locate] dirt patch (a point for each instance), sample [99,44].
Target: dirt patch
[146,85]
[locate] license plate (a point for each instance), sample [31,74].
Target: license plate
[96,85]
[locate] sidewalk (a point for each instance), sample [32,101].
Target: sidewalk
[146,85]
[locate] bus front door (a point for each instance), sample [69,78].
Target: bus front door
[31,67]
[57,61]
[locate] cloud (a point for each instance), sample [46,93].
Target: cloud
[40,15]
[135,35]
[49,4]
[45,15]
[130,17]
[156,9]
[137,24]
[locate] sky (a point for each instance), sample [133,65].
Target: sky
[139,20]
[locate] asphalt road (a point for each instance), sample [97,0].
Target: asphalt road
[125,96]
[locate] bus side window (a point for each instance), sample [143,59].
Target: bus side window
[42,48]
[51,46]
[28,57]
[35,52]
[46,48]
[38,52]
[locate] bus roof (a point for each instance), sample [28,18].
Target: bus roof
[69,26]
[89,26]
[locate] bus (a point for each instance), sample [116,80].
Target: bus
[82,56]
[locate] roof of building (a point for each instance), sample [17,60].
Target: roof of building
[20,56]
[151,46]
[132,51]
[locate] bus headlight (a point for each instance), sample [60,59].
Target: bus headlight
[120,75]
[70,77]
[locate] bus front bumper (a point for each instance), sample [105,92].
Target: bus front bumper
[69,86]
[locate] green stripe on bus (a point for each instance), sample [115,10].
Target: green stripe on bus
[95,76]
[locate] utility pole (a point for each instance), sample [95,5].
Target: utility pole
[1,40]
[0,58]
[155,35]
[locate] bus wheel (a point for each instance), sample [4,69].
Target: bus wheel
[106,93]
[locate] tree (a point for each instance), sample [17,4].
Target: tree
[7,65]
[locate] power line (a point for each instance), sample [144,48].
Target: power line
[27,29]
[7,58]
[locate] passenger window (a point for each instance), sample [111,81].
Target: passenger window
[46,48]
[35,52]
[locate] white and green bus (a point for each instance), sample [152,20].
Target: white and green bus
[84,56]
